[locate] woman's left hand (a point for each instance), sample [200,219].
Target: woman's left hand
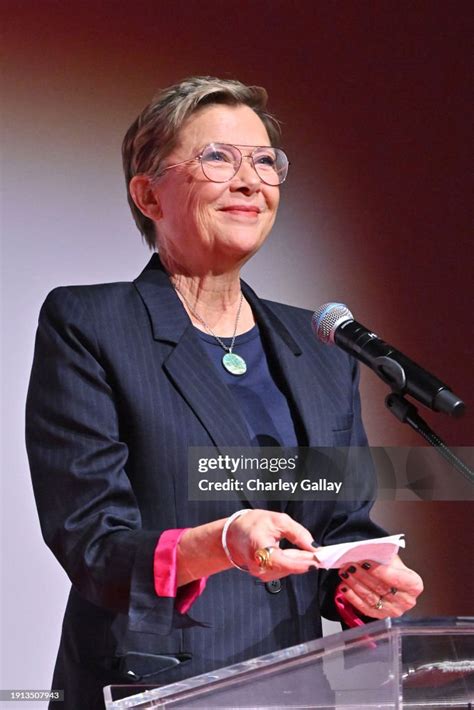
[379,590]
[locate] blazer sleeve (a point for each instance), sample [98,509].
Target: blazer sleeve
[351,520]
[87,508]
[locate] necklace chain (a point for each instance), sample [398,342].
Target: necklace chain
[227,348]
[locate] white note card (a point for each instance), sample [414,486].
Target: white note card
[378,549]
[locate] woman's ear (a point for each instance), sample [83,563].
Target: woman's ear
[145,198]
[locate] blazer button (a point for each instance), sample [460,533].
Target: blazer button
[273,587]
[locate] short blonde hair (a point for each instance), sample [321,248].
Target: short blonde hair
[154,133]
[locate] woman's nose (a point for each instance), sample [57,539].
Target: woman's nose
[246,175]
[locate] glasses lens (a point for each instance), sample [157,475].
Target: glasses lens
[271,165]
[220,161]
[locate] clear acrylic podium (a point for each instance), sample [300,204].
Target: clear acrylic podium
[395,663]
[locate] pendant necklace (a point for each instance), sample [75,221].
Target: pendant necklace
[233,363]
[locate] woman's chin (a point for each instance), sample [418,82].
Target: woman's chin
[241,244]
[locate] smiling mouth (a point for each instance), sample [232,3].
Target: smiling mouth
[242,209]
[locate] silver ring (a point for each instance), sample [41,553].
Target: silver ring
[379,604]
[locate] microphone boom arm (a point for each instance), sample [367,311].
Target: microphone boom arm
[407,413]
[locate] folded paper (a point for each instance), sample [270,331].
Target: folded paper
[379,549]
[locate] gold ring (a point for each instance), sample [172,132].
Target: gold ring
[263,557]
[379,604]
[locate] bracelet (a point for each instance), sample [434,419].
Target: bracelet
[226,527]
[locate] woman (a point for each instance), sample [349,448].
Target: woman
[128,376]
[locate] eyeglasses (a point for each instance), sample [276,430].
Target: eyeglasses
[221,161]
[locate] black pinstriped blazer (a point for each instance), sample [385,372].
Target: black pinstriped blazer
[120,388]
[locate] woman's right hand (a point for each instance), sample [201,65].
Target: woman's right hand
[259,529]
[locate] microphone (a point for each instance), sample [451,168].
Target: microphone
[334,323]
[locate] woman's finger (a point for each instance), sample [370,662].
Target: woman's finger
[379,590]
[365,605]
[281,563]
[381,579]
[371,596]
[374,606]
[297,560]
[294,532]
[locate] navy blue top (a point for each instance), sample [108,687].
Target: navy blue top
[262,402]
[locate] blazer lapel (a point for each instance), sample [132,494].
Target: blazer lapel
[188,365]
[299,376]
[194,375]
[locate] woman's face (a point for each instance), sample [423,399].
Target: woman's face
[213,227]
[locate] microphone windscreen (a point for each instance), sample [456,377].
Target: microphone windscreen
[327,318]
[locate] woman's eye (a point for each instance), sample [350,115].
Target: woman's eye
[218,156]
[266,159]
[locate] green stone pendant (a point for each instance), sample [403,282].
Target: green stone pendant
[234,364]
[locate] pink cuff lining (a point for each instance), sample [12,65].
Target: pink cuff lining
[349,615]
[165,571]
[346,611]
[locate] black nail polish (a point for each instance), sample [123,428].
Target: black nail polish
[312,567]
[344,575]
[315,544]
[366,565]
[344,589]
[352,569]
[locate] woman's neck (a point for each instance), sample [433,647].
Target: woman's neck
[213,301]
